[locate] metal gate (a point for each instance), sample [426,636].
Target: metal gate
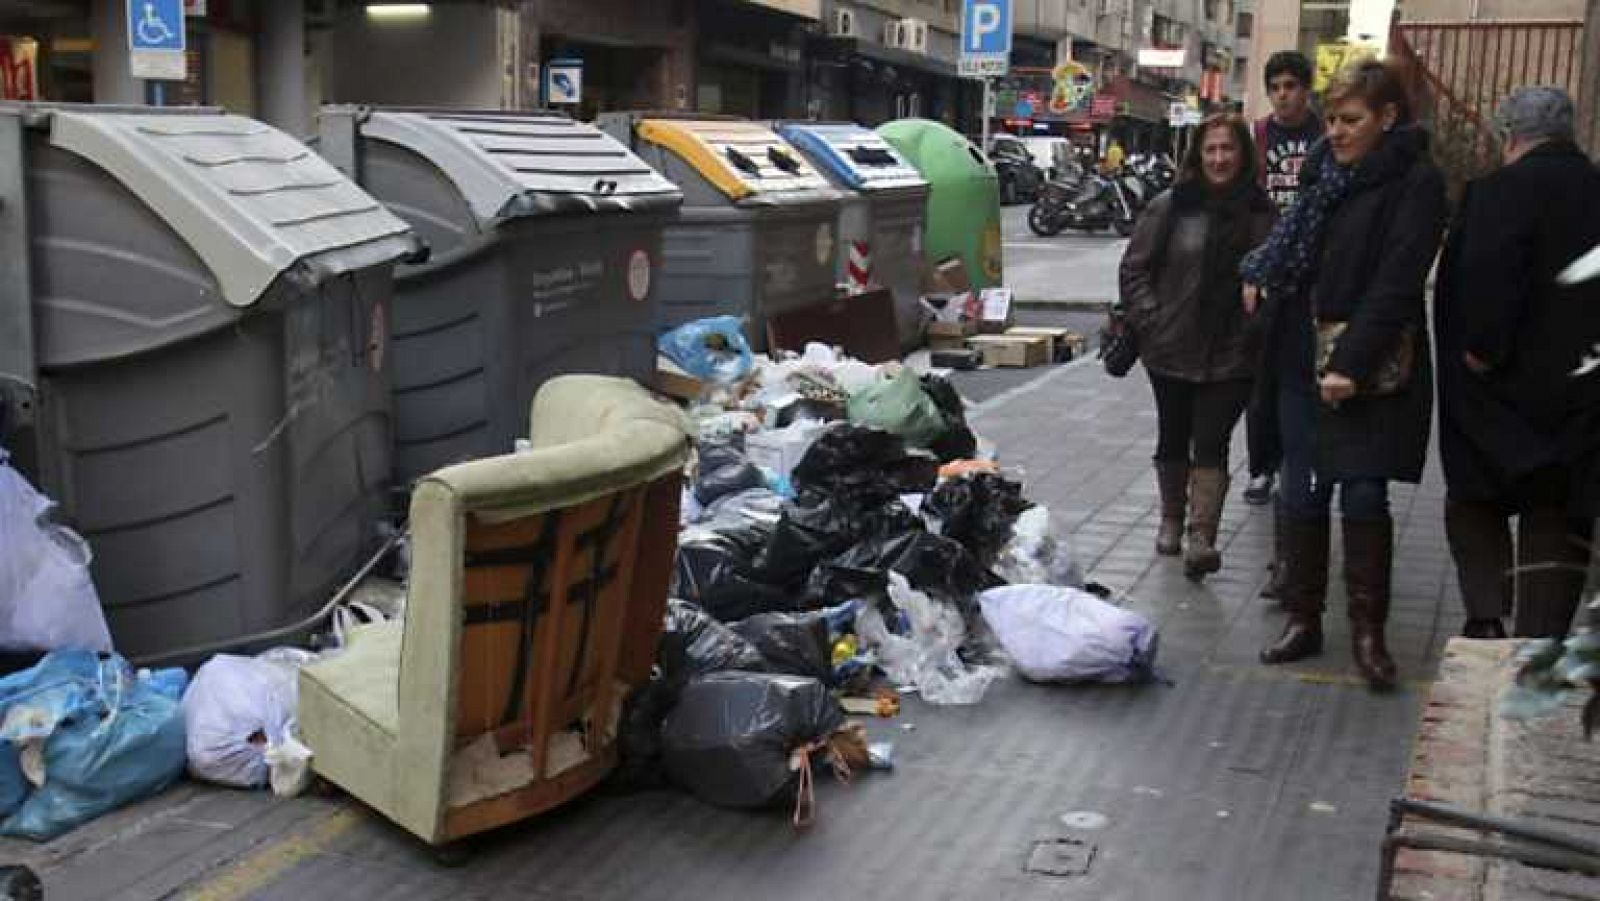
[1460,71]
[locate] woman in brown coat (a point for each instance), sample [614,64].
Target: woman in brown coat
[1182,295]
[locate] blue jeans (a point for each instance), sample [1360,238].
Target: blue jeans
[1301,495]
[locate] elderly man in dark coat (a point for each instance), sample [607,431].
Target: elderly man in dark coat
[1512,407]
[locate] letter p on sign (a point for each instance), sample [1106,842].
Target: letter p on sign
[986,27]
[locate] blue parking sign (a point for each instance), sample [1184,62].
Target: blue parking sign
[156,25]
[986,27]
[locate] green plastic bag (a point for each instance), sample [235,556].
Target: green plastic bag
[899,406]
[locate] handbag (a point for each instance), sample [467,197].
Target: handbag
[1394,371]
[1119,346]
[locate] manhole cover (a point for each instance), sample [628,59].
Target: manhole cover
[1060,857]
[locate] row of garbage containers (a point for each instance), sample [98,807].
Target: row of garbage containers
[221,349]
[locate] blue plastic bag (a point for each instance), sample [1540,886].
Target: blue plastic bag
[109,738]
[712,349]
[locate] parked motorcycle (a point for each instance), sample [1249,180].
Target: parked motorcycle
[1020,177]
[1098,203]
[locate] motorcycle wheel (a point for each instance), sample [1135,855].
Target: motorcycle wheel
[1123,226]
[1042,223]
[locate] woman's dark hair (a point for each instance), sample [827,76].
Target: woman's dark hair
[1290,61]
[1191,168]
[1376,83]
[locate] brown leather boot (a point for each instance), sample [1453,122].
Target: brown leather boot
[1279,567]
[1208,489]
[1173,480]
[1368,561]
[1305,591]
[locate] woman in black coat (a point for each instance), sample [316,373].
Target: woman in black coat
[1346,271]
[1181,289]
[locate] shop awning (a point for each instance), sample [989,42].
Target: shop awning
[1137,100]
[842,47]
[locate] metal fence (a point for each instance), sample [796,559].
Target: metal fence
[1460,71]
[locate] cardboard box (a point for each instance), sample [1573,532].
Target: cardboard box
[862,324]
[1061,345]
[950,335]
[956,358]
[995,315]
[1012,351]
[948,276]
[674,382]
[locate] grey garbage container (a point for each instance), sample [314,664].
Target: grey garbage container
[883,223]
[758,232]
[202,360]
[545,238]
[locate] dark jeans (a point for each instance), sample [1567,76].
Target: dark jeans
[1261,428]
[1551,554]
[1301,494]
[1196,419]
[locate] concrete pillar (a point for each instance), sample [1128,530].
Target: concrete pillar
[113,82]
[281,67]
[1588,94]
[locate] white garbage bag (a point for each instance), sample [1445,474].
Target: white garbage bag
[1059,634]
[47,599]
[239,713]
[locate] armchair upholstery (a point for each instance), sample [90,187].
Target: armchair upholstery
[537,588]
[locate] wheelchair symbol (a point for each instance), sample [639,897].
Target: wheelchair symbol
[153,29]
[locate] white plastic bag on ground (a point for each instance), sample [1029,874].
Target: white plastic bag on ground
[239,714]
[925,660]
[1060,634]
[47,599]
[1036,555]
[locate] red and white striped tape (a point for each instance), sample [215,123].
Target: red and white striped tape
[858,271]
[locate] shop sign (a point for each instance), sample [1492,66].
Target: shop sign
[1073,91]
[19,68]
[1163,57]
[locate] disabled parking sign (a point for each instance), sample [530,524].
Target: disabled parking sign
[157,40]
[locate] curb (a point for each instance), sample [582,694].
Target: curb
[1090,306]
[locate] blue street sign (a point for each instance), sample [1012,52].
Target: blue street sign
[156,25]
[986,27]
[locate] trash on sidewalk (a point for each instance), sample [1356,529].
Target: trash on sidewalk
[731,736]
[1036,555]
[1012,351]
[47,599]
[1061,634]
[89,736]
[919,652]
[997,312]
[798,644]
[239,716]
[713,349]
[708,645]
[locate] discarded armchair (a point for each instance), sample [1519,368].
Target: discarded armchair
[538,585]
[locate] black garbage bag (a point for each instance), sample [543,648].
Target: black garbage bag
[799,644]
[729,739]
[723,470]
[978,510]
[19,883]
[848,461]
[644,711]
[717,570]
[833,583]
[708,646]
[938,566]
[813,527]
[915,473]
[957,442]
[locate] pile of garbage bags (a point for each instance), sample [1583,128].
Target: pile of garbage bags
[843,525]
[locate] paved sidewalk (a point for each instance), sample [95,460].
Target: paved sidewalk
[1237,782]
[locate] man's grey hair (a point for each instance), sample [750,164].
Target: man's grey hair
[1534,113]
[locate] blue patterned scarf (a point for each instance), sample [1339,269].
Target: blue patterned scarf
[1287,262]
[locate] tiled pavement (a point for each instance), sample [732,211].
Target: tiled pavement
[1235,782]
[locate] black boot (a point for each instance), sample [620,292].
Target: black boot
[1305,591]
[1275,587]
[1172,478]
[1368,563]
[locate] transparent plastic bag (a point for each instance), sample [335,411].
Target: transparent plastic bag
[926,659]
[1036,555]
[47,599]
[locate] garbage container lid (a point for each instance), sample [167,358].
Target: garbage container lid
[858,157]
[509,164]
[744,160]
[251,201]
[938,151]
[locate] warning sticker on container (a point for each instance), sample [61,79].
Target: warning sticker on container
[824,243]
[639,275]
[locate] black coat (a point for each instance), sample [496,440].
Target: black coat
[1187,329]
[1378,247]
[1499,300]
